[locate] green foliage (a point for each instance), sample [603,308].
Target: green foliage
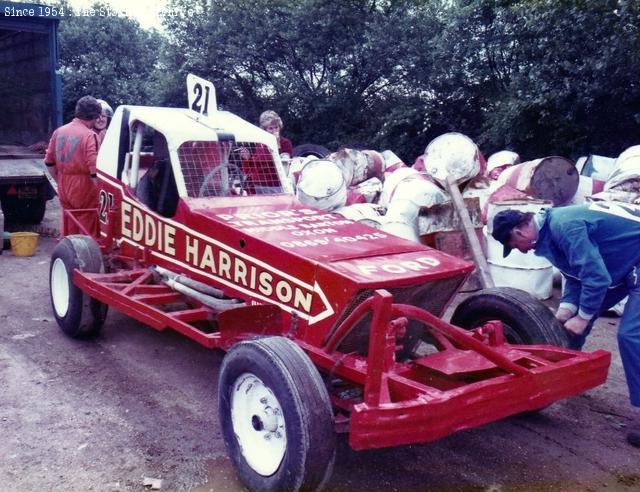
[574,87]
[110,58]
[334,70]
[540,77]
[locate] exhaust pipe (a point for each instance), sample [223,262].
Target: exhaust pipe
[189,282]
[207,295]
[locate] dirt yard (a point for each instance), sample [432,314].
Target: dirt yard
[135,405]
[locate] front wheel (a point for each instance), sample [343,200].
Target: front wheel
[77,314]
[525,319]
[276,416]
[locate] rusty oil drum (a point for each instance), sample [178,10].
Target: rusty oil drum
[551,178]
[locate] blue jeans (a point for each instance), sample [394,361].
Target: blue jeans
[628,330]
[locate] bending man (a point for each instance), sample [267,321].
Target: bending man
[597,249]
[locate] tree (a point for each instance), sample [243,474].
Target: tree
[328,67]
[109,57]
[552,77]
[540,77]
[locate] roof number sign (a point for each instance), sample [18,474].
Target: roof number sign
[202,94]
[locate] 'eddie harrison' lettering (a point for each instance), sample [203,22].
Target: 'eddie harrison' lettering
[223,264]
[144,229]
[211,259]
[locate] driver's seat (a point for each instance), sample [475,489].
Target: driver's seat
[168,195]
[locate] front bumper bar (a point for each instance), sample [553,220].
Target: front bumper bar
[475,378]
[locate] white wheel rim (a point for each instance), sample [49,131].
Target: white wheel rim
[258,423]
[60,287]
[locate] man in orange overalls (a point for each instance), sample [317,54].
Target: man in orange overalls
[71,158]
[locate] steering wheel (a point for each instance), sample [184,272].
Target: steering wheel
[230,181]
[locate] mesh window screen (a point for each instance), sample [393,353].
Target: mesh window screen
[228,169]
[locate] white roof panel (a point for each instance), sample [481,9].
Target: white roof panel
[180,125]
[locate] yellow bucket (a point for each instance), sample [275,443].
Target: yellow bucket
[23,243]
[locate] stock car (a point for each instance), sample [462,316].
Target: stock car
[330,326]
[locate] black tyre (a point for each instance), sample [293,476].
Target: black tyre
[23,211]
[526,320]
[306,150]
[276,416]
[77,314]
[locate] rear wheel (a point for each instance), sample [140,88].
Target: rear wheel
[23,211]
[77,314]
[525,319]
[276,416]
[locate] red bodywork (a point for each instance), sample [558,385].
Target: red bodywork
[346,294]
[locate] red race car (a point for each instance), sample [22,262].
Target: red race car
[330,325]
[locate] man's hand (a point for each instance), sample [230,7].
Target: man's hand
[576,325]
[564,314]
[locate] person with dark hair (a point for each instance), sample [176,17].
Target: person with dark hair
[71,158]
[597,248]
